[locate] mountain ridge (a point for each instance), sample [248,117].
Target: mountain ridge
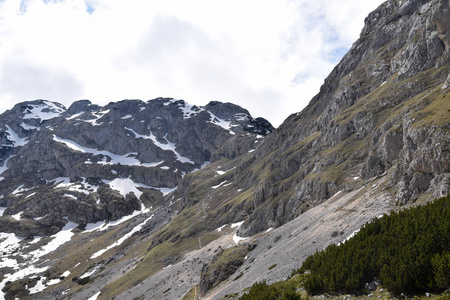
[376,138]
[87,146]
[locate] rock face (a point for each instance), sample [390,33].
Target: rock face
[376,137]
[224,264]
[90,163]
[383,111]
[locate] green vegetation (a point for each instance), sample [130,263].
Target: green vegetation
[192,294]
[262,291]
[227,259]
[408,252]
[239,276]
[225,264]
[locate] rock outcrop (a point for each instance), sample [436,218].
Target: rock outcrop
[383,111]
[375,138]
[90,163]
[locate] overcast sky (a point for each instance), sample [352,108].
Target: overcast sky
[269,56]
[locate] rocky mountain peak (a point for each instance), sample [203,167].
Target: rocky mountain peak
[81,106]
[89,151]
[169,199]
[381,112]
[39,109]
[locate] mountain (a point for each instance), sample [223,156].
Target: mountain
[161,200]
[69,163]
[85,165]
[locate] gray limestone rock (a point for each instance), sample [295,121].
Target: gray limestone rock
[145,145]
[371,118]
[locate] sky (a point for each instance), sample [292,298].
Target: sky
[268,56]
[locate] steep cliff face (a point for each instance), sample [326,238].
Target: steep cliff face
[199,180]
[383,111]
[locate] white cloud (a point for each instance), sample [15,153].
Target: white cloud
[26,81]
[267,56]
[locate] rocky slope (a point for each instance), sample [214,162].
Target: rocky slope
[94,167]
[383,111]
[375,138]
[81,163]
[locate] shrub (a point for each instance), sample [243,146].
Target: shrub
[407,251]
[262,291]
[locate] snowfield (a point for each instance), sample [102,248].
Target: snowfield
[45,111]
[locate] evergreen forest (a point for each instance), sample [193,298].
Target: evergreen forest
[407,252]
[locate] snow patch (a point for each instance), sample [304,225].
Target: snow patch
[95,296]
[102,225]
[336,194]
[94,226]
[15,138]
[90,273]
[30,195]
[28,127]
[40,218]
[59,239]
[7,262]
[222,123]
[351,235]
[74,116]
[219,185]
[80,187]
[189,110]
[168,146]
[17,216]
[237,225]
[151,165]
[122,239]
[127,117]
[115,159]
[124,186]
[19,190]
[166,191]
[53,281]
[221,227]
[11,244]
[45,111]
[97,116]
[205,164]
[237,239]
[70,196]
[39,287]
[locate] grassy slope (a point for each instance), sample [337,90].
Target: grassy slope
[431,107]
